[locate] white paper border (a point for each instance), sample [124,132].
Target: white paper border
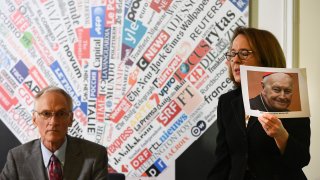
[302,78]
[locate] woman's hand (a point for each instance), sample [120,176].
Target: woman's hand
[274,128]
[272,125]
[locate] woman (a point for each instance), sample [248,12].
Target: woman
[257,148]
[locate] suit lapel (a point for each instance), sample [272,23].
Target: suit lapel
[237,106]
[35,162]
[73,161]
[252,121]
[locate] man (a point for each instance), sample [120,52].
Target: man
[55,155]
[276,94]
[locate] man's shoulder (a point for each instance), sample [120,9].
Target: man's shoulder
[255,99]
[26,148]
[84,143]
[257,104]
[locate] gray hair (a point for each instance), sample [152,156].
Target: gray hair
[58,90]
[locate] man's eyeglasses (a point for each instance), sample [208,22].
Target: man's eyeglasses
[60,115]
[242,54]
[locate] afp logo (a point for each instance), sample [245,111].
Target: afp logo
[98,21]
[198,128]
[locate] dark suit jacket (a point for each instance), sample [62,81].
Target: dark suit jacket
[83,160]
[240,148]
[257,104]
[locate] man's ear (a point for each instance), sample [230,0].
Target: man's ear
[34,119]
[262,84]
[71,120]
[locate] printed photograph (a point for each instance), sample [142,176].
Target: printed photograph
[280,91]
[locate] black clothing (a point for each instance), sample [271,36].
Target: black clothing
[248,152]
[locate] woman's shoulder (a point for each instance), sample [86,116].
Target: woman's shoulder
[231,93]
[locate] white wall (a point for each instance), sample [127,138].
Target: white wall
[277,17]
[271,18]
[309,58]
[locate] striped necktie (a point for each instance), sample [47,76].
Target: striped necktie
[55,171]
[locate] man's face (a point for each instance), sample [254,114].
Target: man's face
[54,129]
[277,91]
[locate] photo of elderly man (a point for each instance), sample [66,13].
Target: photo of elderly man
[276,94]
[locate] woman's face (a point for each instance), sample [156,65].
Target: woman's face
[241,43]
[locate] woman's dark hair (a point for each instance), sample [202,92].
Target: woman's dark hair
[265,46]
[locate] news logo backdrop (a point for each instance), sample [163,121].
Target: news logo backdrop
[144,75]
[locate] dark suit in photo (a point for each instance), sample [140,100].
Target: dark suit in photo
[257,103]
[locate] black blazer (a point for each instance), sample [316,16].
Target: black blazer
[240,148]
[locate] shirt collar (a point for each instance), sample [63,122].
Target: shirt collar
[59,153]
